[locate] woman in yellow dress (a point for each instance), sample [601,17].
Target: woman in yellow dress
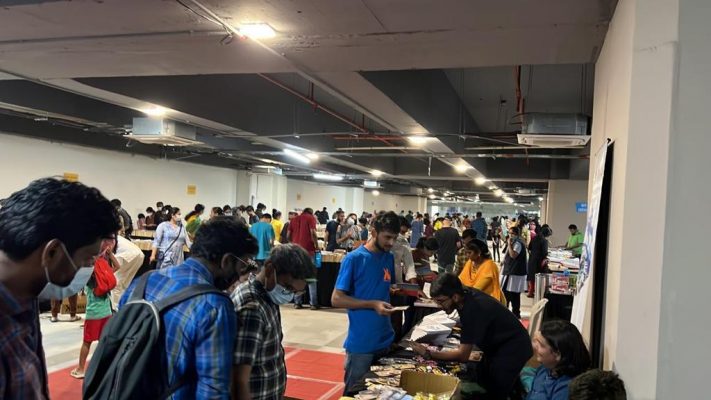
[480,271]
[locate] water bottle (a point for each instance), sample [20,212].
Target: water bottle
[317,259]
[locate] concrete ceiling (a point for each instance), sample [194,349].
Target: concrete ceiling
[339,75]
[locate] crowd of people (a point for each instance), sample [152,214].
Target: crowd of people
[219,327]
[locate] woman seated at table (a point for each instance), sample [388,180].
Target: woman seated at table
[490,326]
[480,272]
[560,349]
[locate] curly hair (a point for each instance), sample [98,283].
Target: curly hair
[597,385]
[52,208]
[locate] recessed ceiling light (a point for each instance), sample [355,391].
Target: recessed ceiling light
[540,199]
[463,167]
[376,193]
[298,156]
[480,180]
[498,192]
[376,173]
[508,200]
[257,31]
[154,111]
[312,156]
[430,190]
[432,197]
[491,187]
[327,177]
[418,140]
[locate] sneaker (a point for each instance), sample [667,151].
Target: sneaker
[315,307]
[298,306]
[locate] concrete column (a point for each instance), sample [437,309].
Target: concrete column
[652,91]
[268,189]
[563,195]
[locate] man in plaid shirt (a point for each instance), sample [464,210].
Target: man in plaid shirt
[49,233]
[260,370]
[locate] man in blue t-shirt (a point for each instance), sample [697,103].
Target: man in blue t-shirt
[363,287]
[264,232]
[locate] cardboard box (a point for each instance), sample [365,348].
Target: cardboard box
[420,382]
[81,305]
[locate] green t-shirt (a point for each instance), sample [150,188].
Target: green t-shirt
[576,240]
[193,225]
[97,307]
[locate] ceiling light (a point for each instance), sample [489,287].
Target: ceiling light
[418,140]
[461,168]
[293,154]
[312,156]
[376,173]
[257,31]
[154,111]
[370,184]
[498,192]
[480,180]
[491,187]
[540,199]
[376,193]
[508,200]
[432,197]
[327,177]
[430,190]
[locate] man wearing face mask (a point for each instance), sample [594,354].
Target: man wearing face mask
[363,287]
[50,234]
[260,372]
[200,331]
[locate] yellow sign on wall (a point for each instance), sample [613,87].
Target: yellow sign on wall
[71,176]
[298,197]
[333,200]
[192,190]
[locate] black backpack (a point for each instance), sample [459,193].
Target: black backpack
[128,362]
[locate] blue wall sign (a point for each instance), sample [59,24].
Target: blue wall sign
[581,207]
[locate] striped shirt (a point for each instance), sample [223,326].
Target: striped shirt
[23,372]
[259,340]
[199,332]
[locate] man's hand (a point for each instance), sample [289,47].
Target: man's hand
[383,308]
[418,348]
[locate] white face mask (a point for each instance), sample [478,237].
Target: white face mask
[52,291]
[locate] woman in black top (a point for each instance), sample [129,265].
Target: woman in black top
[539,252]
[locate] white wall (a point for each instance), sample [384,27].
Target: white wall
[137,180]
[684,352]
[302,194]
[561,212]
[395,203]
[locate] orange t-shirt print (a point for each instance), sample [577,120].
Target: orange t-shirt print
[386,275]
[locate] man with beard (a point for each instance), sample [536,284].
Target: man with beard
[363,287]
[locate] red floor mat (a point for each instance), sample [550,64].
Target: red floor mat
[313,375]
[63,387]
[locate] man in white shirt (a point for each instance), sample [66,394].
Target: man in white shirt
[404,272]
[130,258]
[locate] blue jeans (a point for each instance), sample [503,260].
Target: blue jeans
[357,365]
[312,293]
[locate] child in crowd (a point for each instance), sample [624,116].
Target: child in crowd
[560,349]
[597,385]
[98,301]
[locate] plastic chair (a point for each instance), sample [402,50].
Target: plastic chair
[536,319]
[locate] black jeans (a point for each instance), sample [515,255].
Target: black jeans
[514,299]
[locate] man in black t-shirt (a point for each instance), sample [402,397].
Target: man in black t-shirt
[488,325]
[332,230]
[449,243]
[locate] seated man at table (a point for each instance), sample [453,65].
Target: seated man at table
[487,324]
[363,287]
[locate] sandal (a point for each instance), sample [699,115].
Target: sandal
[75,318]
[53,319]
[76,374]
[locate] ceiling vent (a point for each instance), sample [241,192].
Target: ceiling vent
[163,132]
[554,130]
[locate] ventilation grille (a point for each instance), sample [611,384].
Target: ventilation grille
[553,141]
